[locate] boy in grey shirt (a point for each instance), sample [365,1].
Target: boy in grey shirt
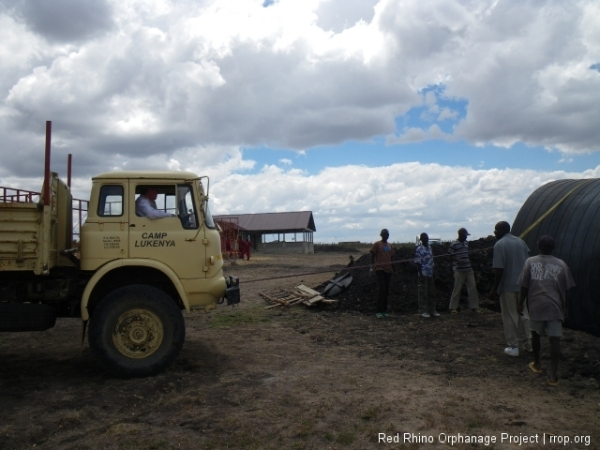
[544,283]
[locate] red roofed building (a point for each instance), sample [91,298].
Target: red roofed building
[286,232]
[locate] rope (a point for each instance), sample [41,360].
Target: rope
[556,205]
[318,272]
[522,235]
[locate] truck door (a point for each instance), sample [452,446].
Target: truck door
[174,237]
[104,234]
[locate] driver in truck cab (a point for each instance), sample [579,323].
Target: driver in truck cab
[145,205]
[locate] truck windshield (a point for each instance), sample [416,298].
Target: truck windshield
[208,218]
[186,209]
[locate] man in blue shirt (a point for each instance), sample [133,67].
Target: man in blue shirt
[424,262]
[145,205]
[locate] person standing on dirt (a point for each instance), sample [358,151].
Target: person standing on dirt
[463,273]
[510,254]
[241,248]
[544,283]
[426,288]
[381,264]
[248,248]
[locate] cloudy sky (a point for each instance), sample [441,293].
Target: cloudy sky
[407,114]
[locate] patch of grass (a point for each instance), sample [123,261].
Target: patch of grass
[158,444]
[370,428]
[305,428]
[492,360]
[250,316]
[69,418]
[370,414]
[346,438]
[473,424]
[244,440]
[429,421]
[150,444]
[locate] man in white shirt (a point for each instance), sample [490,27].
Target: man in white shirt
[145,205]
[510,254]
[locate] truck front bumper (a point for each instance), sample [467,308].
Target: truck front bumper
[232,293]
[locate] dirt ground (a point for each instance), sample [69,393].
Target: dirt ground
[300,378]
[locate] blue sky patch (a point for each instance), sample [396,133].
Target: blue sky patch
[377,154]
[438,109]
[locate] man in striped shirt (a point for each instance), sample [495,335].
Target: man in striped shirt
[463,273]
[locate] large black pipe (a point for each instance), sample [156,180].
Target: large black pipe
[575,225]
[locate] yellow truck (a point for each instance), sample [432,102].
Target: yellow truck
[130,275]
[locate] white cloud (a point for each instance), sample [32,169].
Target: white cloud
[406,198]
[447,114]
[339,15]
[354,202]
[154,77]
[419,134]
[187,84]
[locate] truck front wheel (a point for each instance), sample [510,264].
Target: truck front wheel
[136,331]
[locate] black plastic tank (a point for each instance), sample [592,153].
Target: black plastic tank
[575,226]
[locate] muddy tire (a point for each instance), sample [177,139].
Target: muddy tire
[136,331]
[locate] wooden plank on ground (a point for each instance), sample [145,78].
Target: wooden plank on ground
[314,300]
[299,294]
[273,299]
[307,290]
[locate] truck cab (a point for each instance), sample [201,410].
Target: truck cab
[186,242]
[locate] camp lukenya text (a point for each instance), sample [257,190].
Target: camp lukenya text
[155,240]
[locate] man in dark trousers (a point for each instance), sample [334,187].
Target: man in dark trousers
[510,254]
[544,283]
[248,248]
[243,248]
[381,263]
[424,261]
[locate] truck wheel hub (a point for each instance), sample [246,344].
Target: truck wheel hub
[138,333]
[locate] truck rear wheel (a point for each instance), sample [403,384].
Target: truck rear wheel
[136,331]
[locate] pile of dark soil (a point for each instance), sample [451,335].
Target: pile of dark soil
[361,295]
[322,248]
